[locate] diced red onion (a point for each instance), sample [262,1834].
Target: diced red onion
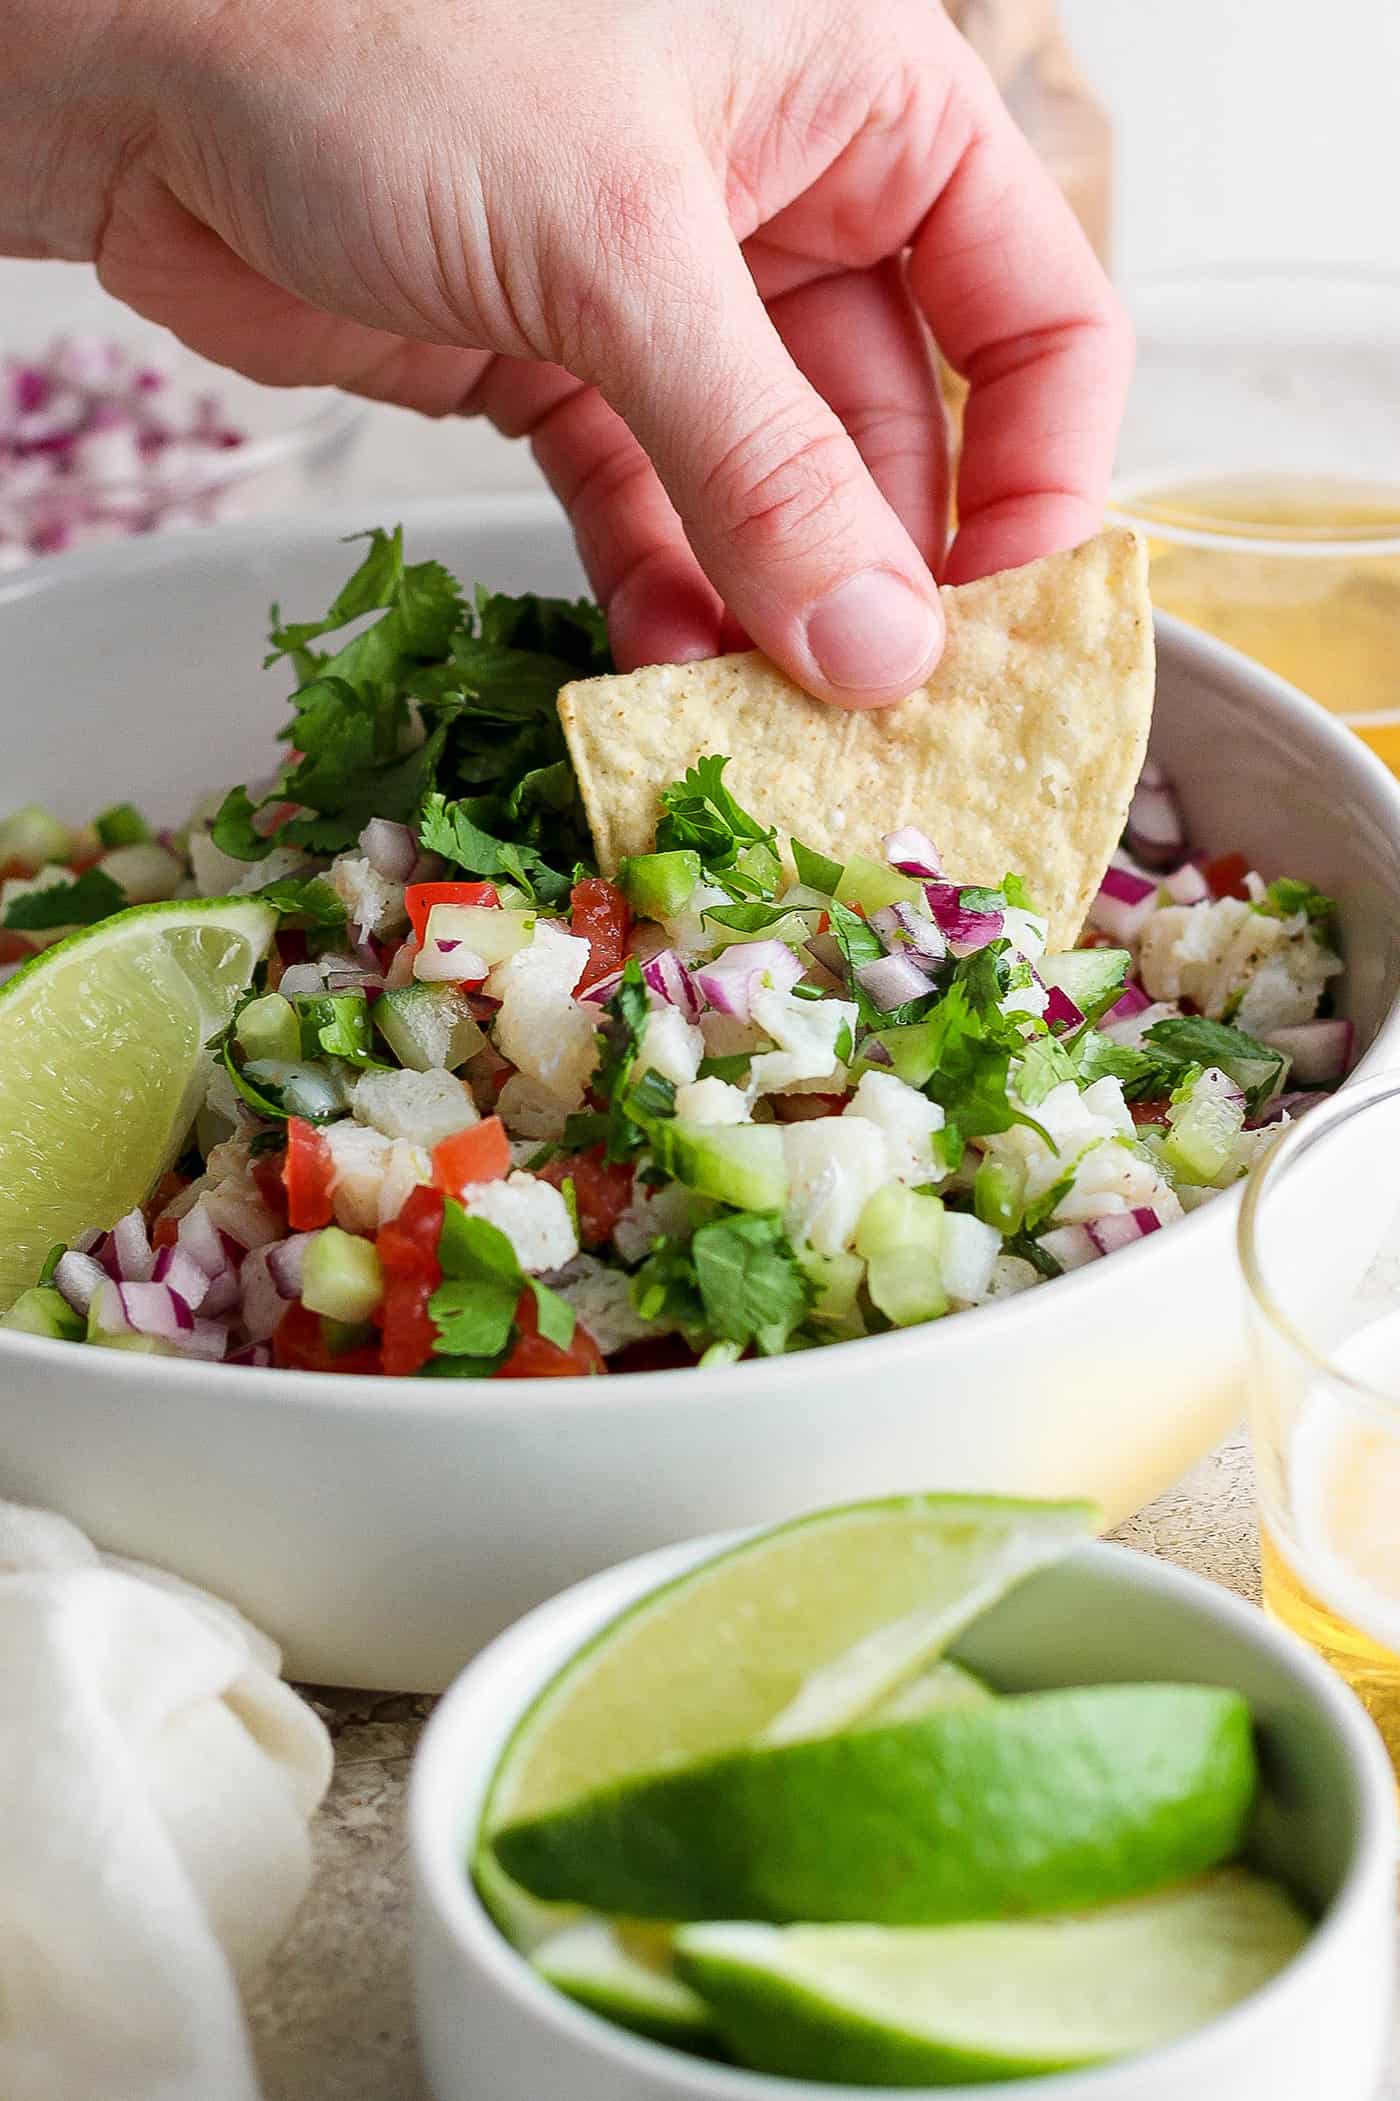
[1155,832]
[1187,885]
[907,931]
[206,1338]
[1071,1246]
[1130,1001]
[1061,1013]
[285,1261]
[874,1052]
[177,1267]
[449,963]
[731,980]
[154,1309]
[666,976]
[1125,903]
[222,1295]
[390,849]
[966,931]
[1292,1105]
[601,990]
[1321,1051]
[891,980]
[826,950]
[912,852]
[1120,1228]
[199,1237]
[78,1277]
[132,1248]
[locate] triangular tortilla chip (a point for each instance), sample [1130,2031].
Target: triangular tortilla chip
[1020,755]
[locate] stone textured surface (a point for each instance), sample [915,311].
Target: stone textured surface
[333,2014]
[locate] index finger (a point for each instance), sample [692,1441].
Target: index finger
[1020,306]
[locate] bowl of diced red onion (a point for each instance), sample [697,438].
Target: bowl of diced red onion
[110,428]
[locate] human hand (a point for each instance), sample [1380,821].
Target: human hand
[690,252]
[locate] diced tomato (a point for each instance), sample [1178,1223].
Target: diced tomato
[165,1232]
[300,1345]
[602,1190]
[80,863]
[1226,876]
[535,1358]
[14,948]
[481,1153]
[419,899]
[267,1179]
[653,1353]
[407,1248]
[164,1193]
[307,1173]
[407,1245]
[1154,1111]
[13,866]
[602,919]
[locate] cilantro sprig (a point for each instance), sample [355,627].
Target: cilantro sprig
[475,1307]
[737,853]
[630,1103]
[736,1280]
[437,714]
[81,902]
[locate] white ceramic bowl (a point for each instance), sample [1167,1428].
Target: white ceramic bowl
[383,1530]
[489,2026]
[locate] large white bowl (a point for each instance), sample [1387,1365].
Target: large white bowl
[382,1530]
[489,2026]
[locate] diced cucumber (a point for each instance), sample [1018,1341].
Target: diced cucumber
[999,1193]
[1091,977]
[341,1277]
[659,885]
[489,931]
[871,885]
[33,838]
[793,928]
[900,1235]
[740,1164]
[1200,1145]
[428,1027]
[760,864]
[269,1028]
[44,1311]
[122,825]
[913,1057]
[293,1088]
[837,1280]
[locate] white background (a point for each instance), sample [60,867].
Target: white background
[1267,128]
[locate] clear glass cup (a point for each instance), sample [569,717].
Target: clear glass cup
[1260,455]
[1319,1239]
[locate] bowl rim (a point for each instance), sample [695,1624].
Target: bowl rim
[1359,773]
[450,1750]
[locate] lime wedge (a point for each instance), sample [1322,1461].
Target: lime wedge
[802,1629]
[626,1976]
[102,1064]
[944,1684]
[944,2006]
[1041,1802]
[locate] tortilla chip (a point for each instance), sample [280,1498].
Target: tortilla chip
[1021,754]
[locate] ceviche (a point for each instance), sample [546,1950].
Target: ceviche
[483,1112]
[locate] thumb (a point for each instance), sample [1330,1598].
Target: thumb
[775,499]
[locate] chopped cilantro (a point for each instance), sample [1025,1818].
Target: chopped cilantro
[305,901]
[337,1025]
[629,1107]
[1287,897]
[814,869]
[1189,1039]
[736,1280]
[474,1307]
[733,1069]
[700,815]
[960,1055]
[79,902]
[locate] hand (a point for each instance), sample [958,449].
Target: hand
[689,251]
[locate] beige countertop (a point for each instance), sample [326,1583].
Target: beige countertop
[333,2015]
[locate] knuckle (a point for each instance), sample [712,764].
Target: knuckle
[779,489]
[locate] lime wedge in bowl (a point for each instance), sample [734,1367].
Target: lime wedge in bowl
[797,1632]
[102,1064]
[953,2005]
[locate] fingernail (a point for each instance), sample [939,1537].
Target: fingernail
[874,633]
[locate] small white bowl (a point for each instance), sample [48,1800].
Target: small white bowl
[489,2026]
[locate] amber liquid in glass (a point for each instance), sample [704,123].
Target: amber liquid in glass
[1369,1668]
[1325,614]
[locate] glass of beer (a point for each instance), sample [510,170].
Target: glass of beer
[1319,1241]
[1260,456]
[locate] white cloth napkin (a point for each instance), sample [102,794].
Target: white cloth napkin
[156,1781]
